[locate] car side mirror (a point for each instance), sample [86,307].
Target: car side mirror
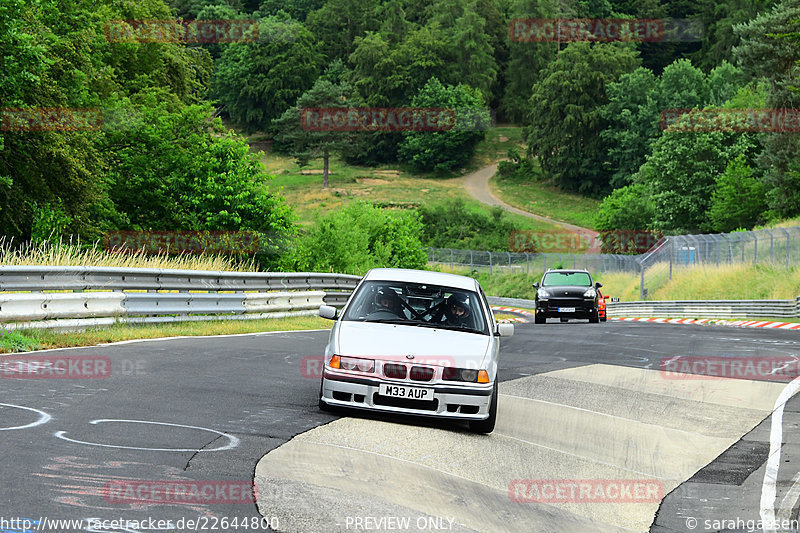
[535,285]
[505,330]
[328,311]
[598,285]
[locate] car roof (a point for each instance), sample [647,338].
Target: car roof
[422,276]
[567,270]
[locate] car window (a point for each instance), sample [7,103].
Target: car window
[413,304]
[574,279]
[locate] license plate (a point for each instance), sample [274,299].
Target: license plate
[566,309]
[411,393]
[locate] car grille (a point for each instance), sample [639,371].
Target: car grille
[567,302]
[395,371]
[421,373]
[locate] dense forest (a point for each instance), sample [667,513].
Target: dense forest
[592,111]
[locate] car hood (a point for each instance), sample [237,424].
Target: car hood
[569,291]
[395,342]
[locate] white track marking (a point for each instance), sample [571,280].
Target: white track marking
[790,500]
[233,441]
[43,417]
[768,488]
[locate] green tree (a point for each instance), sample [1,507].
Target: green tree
[526,62]
[763,53]
[256,82]
[739,199]
[444,151]
[183,171]
[565,114]
[632,113]
[682,173]
[337,24]
[307,143]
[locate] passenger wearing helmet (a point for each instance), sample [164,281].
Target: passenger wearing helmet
[456,311]
[387,300]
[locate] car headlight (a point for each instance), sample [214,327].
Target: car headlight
[356,363]
[543,294]
[469,375]
[591,293]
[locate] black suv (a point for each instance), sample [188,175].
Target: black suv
[566,294]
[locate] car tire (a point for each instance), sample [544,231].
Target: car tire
[487,426]
[539,319]
[322,405]
[603,319]
[595,318]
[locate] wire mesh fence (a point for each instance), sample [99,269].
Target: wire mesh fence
[778,246]
[515,262]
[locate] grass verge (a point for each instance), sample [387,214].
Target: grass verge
[72,254]
[546,200]
[36,339]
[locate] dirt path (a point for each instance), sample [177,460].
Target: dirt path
[477,184]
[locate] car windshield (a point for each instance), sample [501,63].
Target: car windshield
[569,279]
[417,304]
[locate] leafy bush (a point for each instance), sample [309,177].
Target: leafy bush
[628,207]
[358,238]
[452,225]
[444,151]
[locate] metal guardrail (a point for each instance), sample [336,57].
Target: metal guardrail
[25,300]
[707,308]
[687,308]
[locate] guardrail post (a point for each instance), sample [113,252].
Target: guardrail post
[471,262]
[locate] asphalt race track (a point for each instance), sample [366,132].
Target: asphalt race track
[579,403]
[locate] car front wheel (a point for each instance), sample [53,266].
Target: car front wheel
[487,426]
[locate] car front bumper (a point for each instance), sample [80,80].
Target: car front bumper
[552,308]
[450,400]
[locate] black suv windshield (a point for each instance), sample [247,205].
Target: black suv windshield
[567,279]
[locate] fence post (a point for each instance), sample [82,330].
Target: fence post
[641,281]
[527,263]
[471,262]
[451,258]
[771,247]
[755,249]
[490,262]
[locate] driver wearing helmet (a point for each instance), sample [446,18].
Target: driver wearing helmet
[456,311]
[387,300]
